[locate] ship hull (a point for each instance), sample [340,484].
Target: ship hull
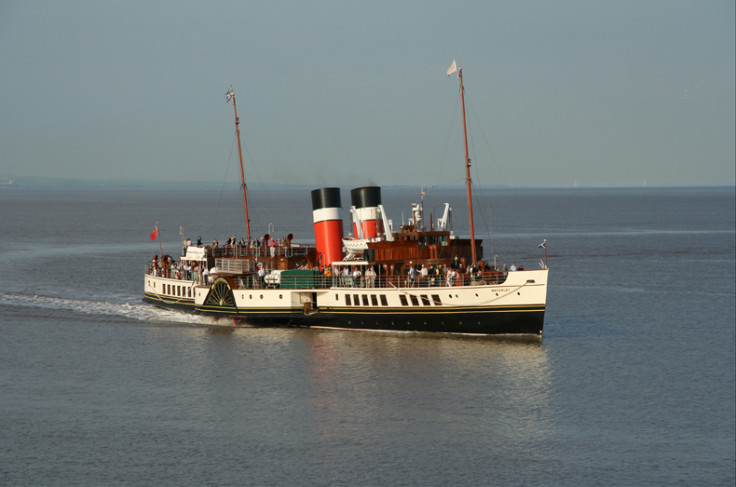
[515,307]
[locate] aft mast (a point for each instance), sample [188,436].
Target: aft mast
[451,70]
[231,96]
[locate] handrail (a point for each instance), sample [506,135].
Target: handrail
[320,281]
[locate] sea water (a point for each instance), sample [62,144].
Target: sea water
[632,383]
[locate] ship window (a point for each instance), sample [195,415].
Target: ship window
[425,299]
[414,300]
[365,300]
[347,299]
[178,290]
[403,300]
[384,302]
[437,300]
[356,299]
[337,298]
[374,300]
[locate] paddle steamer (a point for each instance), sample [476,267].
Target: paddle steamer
[418,277]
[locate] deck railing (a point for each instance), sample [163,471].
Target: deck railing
[320,281]
[278,250]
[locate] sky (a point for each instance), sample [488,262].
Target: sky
[339,93]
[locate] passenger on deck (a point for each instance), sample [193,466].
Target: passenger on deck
[327,273]
[370,277]
[261,275]
[451,274]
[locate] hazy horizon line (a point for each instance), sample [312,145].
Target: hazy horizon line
[39,182]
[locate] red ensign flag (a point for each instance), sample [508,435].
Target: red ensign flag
[154,233]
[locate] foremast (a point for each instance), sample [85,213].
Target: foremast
[230,95]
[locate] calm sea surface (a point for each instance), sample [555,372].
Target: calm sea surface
[632,384]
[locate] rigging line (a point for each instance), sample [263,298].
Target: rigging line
[224,180]
[449,135]
[260,214]
[478,190]
[480,194]
[490,147]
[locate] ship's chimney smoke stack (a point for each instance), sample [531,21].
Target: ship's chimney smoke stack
[366,200]
[328,231]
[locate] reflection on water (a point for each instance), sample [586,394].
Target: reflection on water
[336,386]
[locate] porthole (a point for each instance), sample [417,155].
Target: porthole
[261,296]
[281,296]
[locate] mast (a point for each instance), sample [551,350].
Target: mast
[467,167]
[228,96]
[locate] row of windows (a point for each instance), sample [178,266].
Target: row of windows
[180,291]
[363,299]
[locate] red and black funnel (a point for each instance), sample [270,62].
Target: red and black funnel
[328,234]
[366,201]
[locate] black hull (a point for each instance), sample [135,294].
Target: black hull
[496,321]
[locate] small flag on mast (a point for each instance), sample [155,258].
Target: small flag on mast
[154,233]
[229,94]
[543,245]
[452,68]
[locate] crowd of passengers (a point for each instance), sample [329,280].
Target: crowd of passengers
[454,274]
[259,246]
[420,275]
